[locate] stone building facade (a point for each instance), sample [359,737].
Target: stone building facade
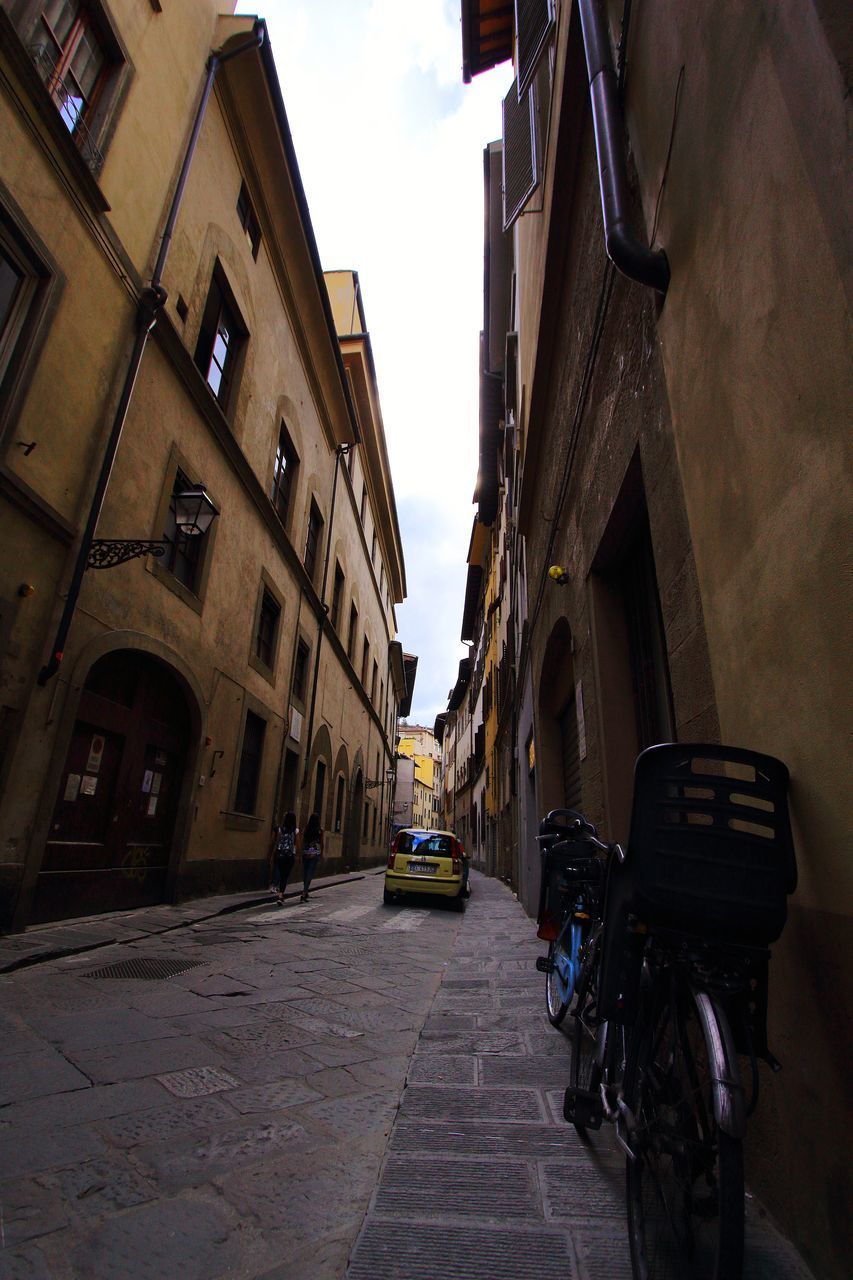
[167,325]
[677,455]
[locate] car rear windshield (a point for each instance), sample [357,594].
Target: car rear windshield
[424,842]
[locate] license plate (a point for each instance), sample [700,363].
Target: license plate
[424,868]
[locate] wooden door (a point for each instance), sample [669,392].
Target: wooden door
[112,831]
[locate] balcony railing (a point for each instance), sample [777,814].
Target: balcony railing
[69,105]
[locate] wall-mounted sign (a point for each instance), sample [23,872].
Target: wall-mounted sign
[295,724]
[146,781]
[72,787]
[88,785]
[96,753]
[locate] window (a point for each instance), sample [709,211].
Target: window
[319,789]
[248,220]
[245,797]
[520,177]
[373,548]
[366,819]
[374,826]
[300,670]
[312,541]
[25,283]
[283,475]
[373,683]
[184,552]
[81,65]
[365,658]
[267,629]
[353,623]
[221,340]
[337,593]
[363,503]
[339,803]
[534,22]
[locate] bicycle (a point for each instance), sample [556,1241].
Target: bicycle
[673,987]
[569,902]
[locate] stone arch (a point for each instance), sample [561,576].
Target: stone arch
[337,823]
[319,759]
[171,671]
[557,749]
[352,842]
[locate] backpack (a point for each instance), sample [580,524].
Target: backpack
[285,844]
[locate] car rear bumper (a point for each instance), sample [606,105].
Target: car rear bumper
[395,882]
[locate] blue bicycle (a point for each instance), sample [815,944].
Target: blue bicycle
[569,904]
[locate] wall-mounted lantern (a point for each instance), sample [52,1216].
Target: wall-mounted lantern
[194,514]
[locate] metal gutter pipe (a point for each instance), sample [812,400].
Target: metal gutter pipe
[631,257]
[153,298]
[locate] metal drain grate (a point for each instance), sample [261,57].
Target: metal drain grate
[145,968]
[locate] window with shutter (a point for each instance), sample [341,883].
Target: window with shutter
[534,22]
[520,177]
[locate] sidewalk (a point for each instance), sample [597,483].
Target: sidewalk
[45,942]
[482,1177]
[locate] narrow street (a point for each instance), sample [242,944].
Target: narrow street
[329,1090]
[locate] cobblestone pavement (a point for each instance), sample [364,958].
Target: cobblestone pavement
[328,1090]
[483,1179]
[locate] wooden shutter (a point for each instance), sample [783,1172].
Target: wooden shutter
[534,22]
[519,176]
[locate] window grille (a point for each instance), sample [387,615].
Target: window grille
[520,177]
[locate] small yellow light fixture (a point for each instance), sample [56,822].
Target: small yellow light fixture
[26,589]
[558,574]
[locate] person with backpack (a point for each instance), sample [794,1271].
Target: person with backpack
[311,847]
[283,853]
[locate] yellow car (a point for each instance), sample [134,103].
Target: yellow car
[430,862]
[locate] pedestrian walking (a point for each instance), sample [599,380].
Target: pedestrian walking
[310,846]
[283,853]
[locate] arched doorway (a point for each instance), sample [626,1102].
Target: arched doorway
[112,831]
[352,846]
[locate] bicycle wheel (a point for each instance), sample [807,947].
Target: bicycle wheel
[556,1006]
[685,1186]
[586,1065]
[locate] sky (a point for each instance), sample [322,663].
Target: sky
[390,148]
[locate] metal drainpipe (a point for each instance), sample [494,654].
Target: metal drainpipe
[340,452]
[631,257]
[152,300]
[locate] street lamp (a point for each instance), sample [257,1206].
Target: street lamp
[194,514]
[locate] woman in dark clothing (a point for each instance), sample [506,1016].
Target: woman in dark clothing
[311,849]
[283,853]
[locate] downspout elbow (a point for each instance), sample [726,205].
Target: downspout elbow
[627,253]
[635,260]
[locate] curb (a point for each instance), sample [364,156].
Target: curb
[59,953]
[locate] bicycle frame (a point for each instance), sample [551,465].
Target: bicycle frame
[566,954]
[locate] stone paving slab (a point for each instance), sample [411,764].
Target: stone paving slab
[483,1179]
[384,1100]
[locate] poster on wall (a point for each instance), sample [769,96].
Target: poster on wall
[96,754]
[72,787]
[88,785]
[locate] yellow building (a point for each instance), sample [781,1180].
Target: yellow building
[166,326]
[419,745]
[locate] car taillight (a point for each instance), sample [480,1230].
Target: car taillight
[457,858]
[391,856]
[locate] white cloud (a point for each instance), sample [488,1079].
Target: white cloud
[390,147]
